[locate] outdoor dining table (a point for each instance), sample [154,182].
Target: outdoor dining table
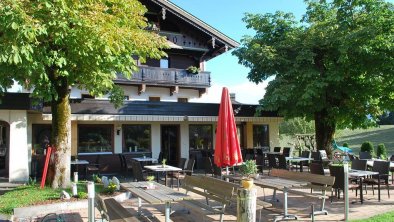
[158,195]
[298,159]
[360,174]
[370,162]
[276,183]
[161,168]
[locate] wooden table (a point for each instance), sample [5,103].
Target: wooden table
[160,195]
[360,174]
[160,168]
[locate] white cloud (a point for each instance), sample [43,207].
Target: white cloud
[245,92]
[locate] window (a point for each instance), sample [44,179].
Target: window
[200,137]
[95,138]
[182,100]
[260,135]
[154,99]
[87,96]
[41,137]
[126,98]
[136,138]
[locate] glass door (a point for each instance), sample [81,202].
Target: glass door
[170,143]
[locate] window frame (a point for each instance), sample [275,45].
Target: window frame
[124,148]
[268,135]
[112,139]
[212,137]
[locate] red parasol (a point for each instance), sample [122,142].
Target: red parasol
[227,150]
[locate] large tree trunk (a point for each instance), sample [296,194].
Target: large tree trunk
[61,138]
[325,130]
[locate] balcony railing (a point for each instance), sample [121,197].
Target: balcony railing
[157,76]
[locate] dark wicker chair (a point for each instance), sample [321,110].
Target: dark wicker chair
[339,184]
[383,168]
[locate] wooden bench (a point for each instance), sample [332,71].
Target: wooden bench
[111,210]
[212,189]
[315,181]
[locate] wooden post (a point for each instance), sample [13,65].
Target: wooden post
[246,205]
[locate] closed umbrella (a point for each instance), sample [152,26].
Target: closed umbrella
[227,150]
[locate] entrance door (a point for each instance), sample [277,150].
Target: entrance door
[4,148]
[170,143]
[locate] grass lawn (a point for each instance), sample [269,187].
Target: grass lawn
[379,218]
[33,195]
[382,134]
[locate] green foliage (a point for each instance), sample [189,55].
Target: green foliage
[345,144]
[297,126]
[193,70]
[150,178]
[96,178]
[335,66]
[381,151]
[164,161]
[367,146]
[111,188]
[31,181]
[248,168]
[48,46]
[82,195]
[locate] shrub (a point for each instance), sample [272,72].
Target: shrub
[345,144]
[111,188]
[381,151]
[367,146]
[193,70]
[82,195]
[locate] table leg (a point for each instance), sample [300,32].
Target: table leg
[361,190]
[139,206]
[286,216]
[167,212]
[379,188]
[165,179]
[301,166]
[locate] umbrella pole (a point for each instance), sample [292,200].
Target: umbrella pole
[227,173]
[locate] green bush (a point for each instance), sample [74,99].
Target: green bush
[82,195]
[367,146]
[381,151]
[345,144]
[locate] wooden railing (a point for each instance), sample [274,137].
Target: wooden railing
[169,76]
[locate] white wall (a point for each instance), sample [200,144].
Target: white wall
[132,92]
[156,137]
[18,152]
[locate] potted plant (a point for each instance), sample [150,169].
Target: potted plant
[248,170]
[163,163]
[150,180]
[193,70]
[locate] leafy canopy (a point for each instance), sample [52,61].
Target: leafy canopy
[83,43]
[339,58]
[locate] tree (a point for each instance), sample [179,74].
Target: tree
[335,66]
[296,126]
[49,46]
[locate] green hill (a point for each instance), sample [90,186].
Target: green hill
[382,134]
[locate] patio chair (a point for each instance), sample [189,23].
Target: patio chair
[271,162]
[383,168]
[137,171]
[93,168]
[365,155]
[282,163]
[208,169]
[316,168]
[358,165]
[339,184]
[286,151]
[392,169]
[127,163]
[187,171]
[305,154]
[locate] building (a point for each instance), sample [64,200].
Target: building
[156,116]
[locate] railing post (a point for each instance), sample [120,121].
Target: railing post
[346,191]
[246,205]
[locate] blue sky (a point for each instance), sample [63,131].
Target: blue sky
[226,16]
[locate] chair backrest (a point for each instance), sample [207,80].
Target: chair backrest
[316,168]
[323,155]
[260,160]
[190,165]
[316,157]
[272,161]
[277,149]
[137,171]
[392,158]
[122,163]
[208,165]
[365,155]
[337,172]
[181,163]
[305,153]
[359,164]
[383,168]
[282,161]
[286,151]
[249,156]
[217,171]
[160,157]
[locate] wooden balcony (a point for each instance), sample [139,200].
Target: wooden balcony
[167,77]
